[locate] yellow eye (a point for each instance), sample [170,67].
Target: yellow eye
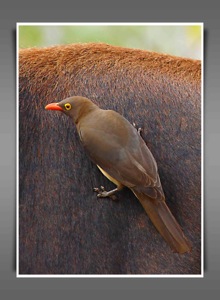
[68,106]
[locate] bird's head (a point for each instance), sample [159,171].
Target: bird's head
[74,107]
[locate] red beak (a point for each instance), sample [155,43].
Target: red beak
[53,106]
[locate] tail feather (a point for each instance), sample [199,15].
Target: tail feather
[164,221]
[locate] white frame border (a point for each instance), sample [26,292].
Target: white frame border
[201,24]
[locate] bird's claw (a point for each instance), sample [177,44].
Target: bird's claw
[99,191]
[102,193]
[139,129]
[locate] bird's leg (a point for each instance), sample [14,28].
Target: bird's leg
[139,129]
[102,193]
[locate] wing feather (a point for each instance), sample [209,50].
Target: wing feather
[124,157]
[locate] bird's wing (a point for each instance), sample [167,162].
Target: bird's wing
[125,158]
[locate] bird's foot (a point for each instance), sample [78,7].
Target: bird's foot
[102,193]
[139,129]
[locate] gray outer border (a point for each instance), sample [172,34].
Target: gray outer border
[156,286]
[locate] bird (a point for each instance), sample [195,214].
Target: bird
[117,148]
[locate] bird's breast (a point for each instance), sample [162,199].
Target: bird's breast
[116,182]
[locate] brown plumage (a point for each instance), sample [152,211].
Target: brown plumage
[117,148]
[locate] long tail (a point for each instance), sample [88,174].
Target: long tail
[165,222]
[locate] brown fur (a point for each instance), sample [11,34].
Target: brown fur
[64,229]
